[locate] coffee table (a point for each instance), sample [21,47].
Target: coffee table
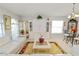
[44,46]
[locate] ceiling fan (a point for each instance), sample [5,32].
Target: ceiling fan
[73,14]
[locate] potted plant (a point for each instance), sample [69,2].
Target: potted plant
[39,17]
[22,32]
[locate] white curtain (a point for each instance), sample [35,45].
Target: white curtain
[15,29]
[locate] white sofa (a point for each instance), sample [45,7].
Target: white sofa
[8,46]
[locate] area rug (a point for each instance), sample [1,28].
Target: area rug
[55,49]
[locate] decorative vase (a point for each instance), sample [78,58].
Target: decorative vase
[41,40]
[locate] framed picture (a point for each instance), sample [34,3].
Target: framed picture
[7,22]
[72,26]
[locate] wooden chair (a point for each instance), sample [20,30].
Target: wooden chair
[76,40]
[66,37]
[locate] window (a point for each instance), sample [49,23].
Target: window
[15,29]
[1,33]
[57,26]
[1,28]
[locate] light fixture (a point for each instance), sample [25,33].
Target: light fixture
[73,14]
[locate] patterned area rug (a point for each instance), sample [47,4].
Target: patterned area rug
[55,49]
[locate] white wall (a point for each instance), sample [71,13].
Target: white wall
[39,27]
[6,12]
[64,18]
[52,36]
[58,36]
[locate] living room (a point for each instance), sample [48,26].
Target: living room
[39,28]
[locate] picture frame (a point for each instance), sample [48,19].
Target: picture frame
[72,24]
[7,22]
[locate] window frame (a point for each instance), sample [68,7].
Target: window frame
[54,27]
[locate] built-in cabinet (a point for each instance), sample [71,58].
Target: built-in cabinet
[23,28]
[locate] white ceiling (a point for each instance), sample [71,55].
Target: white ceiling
[45,9]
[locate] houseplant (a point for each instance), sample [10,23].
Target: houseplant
[39,17]
[22,32]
